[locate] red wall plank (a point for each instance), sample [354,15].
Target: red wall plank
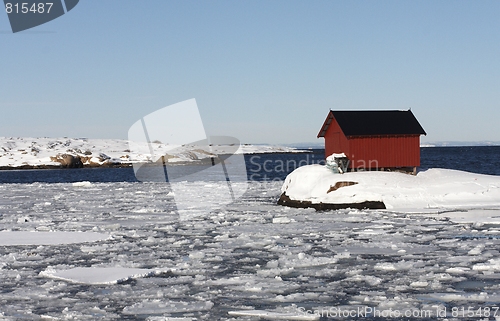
[374,151]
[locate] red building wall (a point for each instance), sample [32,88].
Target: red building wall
[373,151]
[384,151]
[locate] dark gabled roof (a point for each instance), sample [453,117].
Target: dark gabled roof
[374,122]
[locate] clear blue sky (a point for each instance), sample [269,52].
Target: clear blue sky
[261,71]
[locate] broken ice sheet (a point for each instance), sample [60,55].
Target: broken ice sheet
[13,238]
[96,275]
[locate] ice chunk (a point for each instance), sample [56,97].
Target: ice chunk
[468,297]
[492,265]
[82,184]
[419,284]
[94,275]
[282,220]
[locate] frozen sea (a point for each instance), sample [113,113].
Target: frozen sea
[95,244]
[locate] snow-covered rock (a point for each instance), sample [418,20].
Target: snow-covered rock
[433,188]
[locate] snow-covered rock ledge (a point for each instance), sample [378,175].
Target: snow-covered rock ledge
[47,153]
[318,187]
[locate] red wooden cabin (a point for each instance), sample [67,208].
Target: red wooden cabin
[374,140]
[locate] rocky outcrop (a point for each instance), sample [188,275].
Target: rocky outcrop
[67,160]
[339,185]
[102,161]
[286,201]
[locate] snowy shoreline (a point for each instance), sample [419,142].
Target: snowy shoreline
[19,153]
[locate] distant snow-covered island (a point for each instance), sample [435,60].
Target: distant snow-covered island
[51,153]
[319,187]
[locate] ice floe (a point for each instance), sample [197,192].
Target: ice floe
[15,238]
[100,275]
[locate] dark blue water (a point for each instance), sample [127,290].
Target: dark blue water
[265,167]
[476,159]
